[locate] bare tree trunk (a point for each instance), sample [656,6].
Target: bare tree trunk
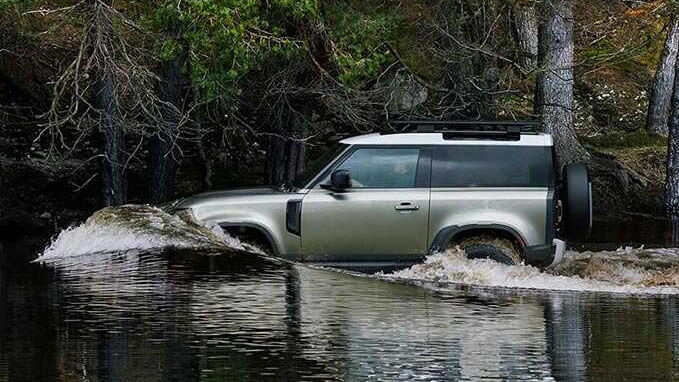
[672,180]
[112,166]
[663,83]
[162,164]
[206,162]
[110,125]
[285,160]
[297,149]
[554,91]
[285,153]
[526,29]
[275,155]
[489,65]
[295,161]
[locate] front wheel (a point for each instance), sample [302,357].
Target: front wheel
[486,247]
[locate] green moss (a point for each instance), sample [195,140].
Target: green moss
[618,55]
[621,139]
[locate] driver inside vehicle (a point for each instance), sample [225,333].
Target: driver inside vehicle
[382,168]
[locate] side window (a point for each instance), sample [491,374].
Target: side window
[492,166]
[383,167]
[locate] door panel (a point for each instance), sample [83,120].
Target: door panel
[365,224]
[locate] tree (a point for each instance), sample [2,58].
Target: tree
[663,83]
[526,28]
[289,101]
[100,32]
[222,57]
[288,112]
[162,164]
[470,52]
[108,88]
[554,90]
[672,180]
[478,60]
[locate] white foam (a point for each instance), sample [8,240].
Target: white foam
[131,227]
[453,267]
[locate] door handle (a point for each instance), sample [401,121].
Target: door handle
[406,206]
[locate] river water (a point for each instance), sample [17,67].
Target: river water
[138,295]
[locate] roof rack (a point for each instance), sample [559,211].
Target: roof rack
[509,130]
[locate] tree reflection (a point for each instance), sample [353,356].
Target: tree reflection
[567,334]
[219,316]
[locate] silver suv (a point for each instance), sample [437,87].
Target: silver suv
[489,188]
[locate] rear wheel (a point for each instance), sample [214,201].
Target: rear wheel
[502,250]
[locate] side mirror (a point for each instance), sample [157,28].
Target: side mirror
[340,180]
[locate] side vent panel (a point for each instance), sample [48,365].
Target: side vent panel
[293,217]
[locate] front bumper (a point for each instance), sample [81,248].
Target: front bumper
[546,255]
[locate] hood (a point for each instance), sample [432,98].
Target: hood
[221,195]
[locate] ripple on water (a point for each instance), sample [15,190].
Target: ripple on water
[158,303]
[252,315]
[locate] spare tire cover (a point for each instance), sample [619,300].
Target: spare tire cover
[577,201]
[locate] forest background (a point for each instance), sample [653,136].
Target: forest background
[105,102]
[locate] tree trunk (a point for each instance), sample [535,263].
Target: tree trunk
[110,125]
[274,160]
[206,162]
[672,180]
[554,91]
[285,160]
[285,154]
[112,166]
[488,66]
[526,29]
[162,164]
[663,83]
[296,151]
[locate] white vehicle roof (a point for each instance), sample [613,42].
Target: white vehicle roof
[539,139]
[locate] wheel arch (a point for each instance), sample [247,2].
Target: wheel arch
[263,231]
[450,234]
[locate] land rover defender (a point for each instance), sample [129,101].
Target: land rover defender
[490,188]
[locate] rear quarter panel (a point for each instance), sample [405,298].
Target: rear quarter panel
[523,209]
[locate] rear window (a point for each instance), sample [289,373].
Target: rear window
[492,166]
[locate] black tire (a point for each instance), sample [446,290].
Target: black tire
[485,251]
[577,201]
[487,247]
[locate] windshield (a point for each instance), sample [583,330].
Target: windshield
[312,168]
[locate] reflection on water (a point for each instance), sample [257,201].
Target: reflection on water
[196,315]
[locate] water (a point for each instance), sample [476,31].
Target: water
[115,300]
[623,271]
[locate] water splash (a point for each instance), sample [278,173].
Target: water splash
[627,270]
[137,227]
